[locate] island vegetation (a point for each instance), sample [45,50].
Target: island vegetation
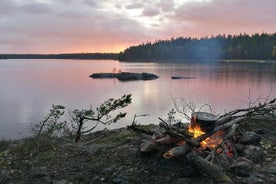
[220,47]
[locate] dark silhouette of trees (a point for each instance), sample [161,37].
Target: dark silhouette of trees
[62,56]
[242,46]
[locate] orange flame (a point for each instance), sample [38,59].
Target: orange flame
[211,142]
[196,130]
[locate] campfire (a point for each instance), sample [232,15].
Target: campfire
[211,144]
[207,120]
[208,143]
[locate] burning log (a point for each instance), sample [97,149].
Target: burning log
[196,142]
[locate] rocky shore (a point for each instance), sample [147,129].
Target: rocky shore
[113,156]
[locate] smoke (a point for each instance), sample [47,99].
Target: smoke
[208,49]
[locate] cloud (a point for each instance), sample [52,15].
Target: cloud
[35,8]
[93,26]
[226,16]
[135,5]
[150,12]
[6,6]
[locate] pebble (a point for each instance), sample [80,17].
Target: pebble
[268,159]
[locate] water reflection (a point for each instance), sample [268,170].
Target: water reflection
[30,87]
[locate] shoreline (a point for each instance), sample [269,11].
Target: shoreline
[113,156]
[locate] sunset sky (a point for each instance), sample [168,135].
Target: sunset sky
[66,26]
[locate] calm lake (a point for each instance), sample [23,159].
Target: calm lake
[30,87]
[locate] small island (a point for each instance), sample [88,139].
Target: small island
[125,76]
[182,77]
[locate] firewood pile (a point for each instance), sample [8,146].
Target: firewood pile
[212,144]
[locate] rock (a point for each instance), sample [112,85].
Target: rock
[182,77]
[250,138]
[104,75]
[269,159]
[254,153]
[239,147]
[242,167]
[125,76]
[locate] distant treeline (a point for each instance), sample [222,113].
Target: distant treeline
[241,47]
[61,56]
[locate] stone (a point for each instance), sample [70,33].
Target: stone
[242,167]
[250,138]
[269,159]
[239,147]
[254,153]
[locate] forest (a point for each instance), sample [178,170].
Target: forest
[221,47]
[61,56]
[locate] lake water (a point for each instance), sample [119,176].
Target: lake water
[30,87]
